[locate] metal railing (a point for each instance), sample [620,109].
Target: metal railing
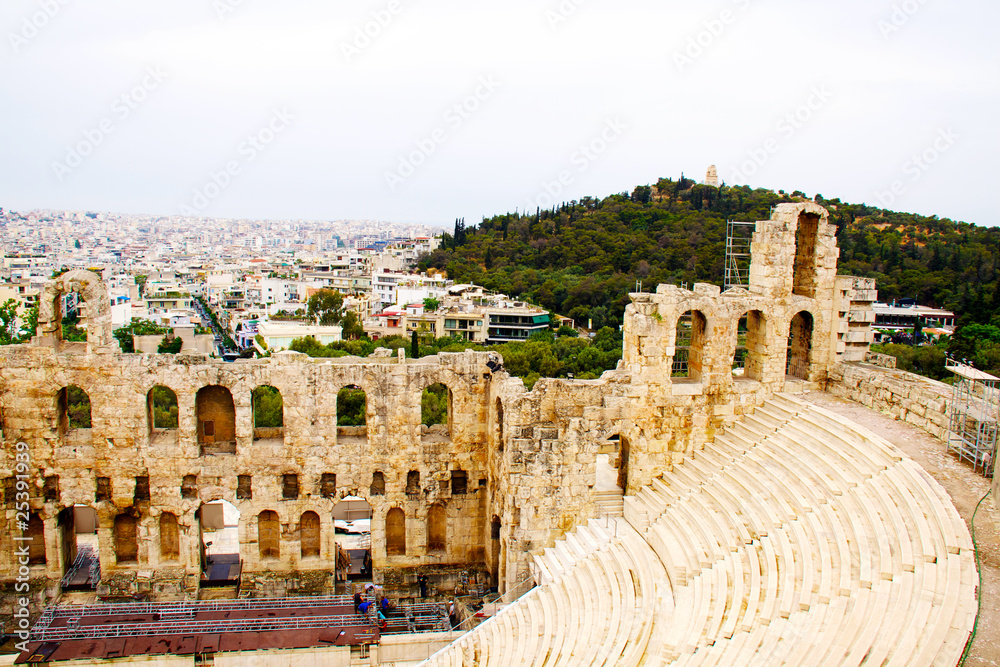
[472,623]
[212,626]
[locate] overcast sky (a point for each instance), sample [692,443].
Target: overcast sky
[427,110]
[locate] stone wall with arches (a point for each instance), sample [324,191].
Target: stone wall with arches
[512,472]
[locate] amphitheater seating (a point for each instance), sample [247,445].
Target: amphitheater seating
[796,537]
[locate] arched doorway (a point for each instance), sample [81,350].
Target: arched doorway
[219,528]
[750,352]
[799,353]
[689,343]
[352,525]
[611,467]
[81,548]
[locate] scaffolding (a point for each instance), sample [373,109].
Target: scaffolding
[682,347]
[973,416]
[738,238]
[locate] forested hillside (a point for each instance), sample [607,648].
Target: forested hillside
[581,259]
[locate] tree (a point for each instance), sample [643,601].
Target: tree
[434,405]
[268,408]
[164,408]
[431,304]
[414,346]
[351,407]
[170,345]
[326,306]
[138,327]
[78,407]
[352,327]
[9,330]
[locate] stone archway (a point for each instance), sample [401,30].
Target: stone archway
[799,355]
[98,318]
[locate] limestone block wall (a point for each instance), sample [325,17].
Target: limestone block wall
[120,446]
[512,472]
[906,396]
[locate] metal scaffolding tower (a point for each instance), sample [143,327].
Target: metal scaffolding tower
[738,238]
[973,416]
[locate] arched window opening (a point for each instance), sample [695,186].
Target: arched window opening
[269,534]
[162,402]
[216,416]
[74,408]
[395,532]
[750,354]
[435,412]
[437,528]
[126,539]
[73,308]
[352,415]
[268,414]
[799,354]
[170,547]
[804,272]
[309,534]
[689,346]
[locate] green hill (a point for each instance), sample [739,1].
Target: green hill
[582,258]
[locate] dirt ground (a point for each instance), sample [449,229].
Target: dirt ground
[965,487]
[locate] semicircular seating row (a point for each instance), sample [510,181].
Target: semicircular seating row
[797,537]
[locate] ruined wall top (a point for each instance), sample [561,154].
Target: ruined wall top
[97,319]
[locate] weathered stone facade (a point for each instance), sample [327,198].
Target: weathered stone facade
[513,471]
